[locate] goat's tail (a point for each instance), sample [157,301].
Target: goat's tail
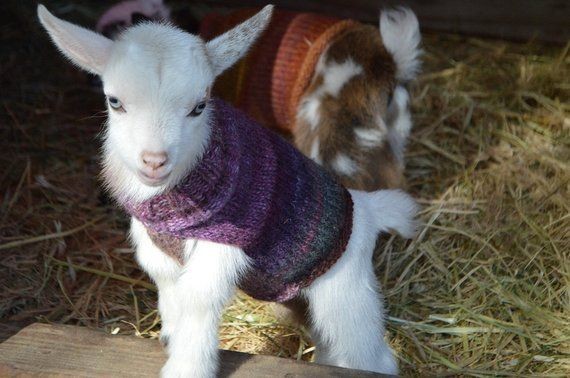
[400,33]
[391,211]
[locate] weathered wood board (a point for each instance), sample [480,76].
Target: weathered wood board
[62,350]
[521,20]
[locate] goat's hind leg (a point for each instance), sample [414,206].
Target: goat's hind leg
[347,324]
[346,310]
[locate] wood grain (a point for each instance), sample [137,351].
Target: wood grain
[61,350]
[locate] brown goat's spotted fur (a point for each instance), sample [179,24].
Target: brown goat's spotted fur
[360,101]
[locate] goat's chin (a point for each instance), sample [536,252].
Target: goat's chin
[154,182]
[124,184]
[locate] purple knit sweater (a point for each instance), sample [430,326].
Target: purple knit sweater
[254,190]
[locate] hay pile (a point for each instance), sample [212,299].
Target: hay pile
[484,289]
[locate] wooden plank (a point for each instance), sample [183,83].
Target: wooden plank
[521,20]
[62,350]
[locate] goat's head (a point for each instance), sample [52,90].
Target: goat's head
[157,81]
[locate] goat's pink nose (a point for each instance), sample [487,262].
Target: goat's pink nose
[154,160]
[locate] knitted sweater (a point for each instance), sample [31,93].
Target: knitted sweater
[253,190]
[269,82]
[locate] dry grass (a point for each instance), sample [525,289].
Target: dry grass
[484,289]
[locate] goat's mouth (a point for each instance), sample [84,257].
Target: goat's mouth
[153,180]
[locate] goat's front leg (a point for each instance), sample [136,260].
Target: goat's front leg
[164,271]
[207,282]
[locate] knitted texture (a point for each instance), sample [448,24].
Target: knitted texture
[270,81]
[253,190]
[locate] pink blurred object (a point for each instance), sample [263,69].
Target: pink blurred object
[126,13]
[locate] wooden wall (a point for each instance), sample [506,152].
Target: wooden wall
[521,20]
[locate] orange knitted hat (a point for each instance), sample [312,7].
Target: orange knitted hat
[270,81]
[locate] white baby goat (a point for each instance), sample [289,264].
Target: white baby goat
[153,75]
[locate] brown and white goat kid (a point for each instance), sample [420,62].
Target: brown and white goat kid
[155,76]
[337,86]
[354,117]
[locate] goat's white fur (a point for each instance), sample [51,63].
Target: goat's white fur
[82,47]
[309,110]
[174,71]
[371,137]
[400,33]
[335,76]
[315,151]
[399,112]
[344,165]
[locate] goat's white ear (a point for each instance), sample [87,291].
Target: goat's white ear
[83,47]
[229,47]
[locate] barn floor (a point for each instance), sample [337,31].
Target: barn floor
[484,289]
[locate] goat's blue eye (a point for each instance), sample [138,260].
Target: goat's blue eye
[115,103]
[198,109]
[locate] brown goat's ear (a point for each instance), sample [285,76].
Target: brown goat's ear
[83,47]
[229,47]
